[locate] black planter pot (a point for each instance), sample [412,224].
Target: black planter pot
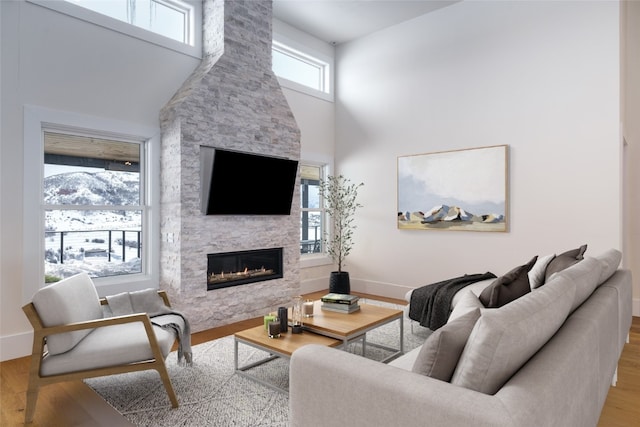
[339,282]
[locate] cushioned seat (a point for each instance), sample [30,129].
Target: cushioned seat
[73,340]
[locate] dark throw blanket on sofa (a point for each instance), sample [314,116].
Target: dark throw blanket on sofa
[431,304]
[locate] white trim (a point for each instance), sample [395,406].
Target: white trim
[35,118]
[87,15]
[15,346]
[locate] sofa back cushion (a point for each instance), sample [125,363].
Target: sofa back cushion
[586,277]
[504,339]
[439,354]
[70,300]
[610,261]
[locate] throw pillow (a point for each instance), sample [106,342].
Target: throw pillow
[509,287]
[565,260]
[439,354]
[536,274]
[468,302]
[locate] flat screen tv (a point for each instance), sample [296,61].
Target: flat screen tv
[238,183]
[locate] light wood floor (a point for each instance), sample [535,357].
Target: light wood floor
[75,404]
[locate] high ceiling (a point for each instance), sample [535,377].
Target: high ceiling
[339,21]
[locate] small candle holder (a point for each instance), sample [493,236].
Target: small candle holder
[307,308]
[274,328]
[296,316]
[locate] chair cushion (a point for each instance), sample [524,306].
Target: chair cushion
[108,346]
[70,300]
[509,287]
[439,354]
[504,339]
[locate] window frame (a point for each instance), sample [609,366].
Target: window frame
[308,55]
[193,48]
[322,257]
[36,120]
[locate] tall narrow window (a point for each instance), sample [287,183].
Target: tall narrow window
[312,214]
[94,205]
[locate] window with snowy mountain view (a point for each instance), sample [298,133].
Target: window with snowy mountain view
[93,206]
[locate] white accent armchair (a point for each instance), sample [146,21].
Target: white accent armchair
[72,340]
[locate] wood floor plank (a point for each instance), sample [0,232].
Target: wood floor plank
[75,404]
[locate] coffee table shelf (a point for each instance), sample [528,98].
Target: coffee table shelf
[277,347]
[349,327]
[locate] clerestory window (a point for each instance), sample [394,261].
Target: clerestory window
[170,18]
[173,24]
[302,71]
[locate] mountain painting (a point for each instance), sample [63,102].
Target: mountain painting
[461,190]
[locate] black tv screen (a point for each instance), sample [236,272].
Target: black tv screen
[237,183]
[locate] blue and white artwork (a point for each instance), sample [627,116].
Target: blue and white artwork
[462,190]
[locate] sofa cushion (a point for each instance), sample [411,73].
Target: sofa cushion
[564,260]
[536,274]
[610,261]
[509,287]
[439,354]
[504,339]
[586,277]
[70,300]
[468,302]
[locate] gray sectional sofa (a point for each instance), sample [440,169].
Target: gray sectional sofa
[547,358]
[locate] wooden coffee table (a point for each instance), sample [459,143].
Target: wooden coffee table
[277,347]
[326,328]
[348,327]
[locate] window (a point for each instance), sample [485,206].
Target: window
[93,205]
[301,71]
[173,24]
[170,18]
[109,228]
[312,215]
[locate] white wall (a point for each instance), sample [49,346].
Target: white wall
[542,77]
[52,60]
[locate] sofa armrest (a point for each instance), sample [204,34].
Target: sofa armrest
[331,387]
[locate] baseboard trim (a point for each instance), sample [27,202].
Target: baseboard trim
[635,308]
[15,346]
[383,289]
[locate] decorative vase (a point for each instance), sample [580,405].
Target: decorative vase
[339,282]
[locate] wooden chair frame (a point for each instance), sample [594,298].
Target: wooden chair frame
[40,332]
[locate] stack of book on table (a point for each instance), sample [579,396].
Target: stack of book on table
[340,303]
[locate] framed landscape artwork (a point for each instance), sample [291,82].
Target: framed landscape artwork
[461,190]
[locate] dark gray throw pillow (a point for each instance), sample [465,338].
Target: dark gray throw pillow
[565,260]
[509,287]
[438,356]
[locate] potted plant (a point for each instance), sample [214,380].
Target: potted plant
[339,196]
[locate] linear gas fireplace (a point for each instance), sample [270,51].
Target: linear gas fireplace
[242,267]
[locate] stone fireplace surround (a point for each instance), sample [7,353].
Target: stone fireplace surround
[232,100]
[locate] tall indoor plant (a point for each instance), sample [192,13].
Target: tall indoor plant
[339,195]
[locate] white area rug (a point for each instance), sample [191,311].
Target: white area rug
[212,394]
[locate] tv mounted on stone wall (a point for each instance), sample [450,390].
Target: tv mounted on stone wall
[239,183]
